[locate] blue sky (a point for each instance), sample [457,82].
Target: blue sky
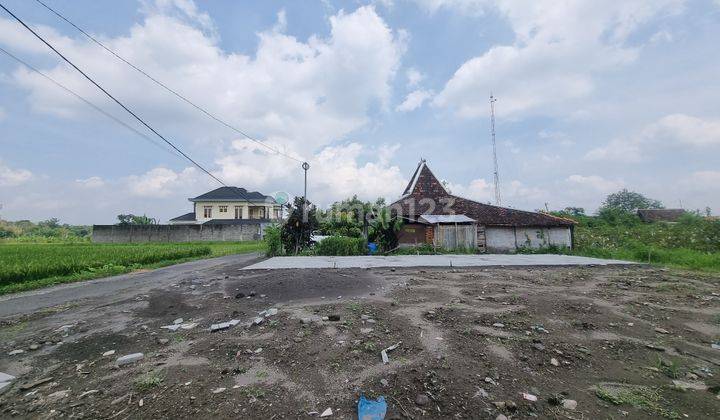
[592,97]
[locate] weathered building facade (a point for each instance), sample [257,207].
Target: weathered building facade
[497,229]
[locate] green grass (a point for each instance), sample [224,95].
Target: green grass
[642,397]
[148,381]
[26,266]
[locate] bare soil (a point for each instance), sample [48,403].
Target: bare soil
[472,341]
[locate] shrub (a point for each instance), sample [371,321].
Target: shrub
[341,245]
[273,241]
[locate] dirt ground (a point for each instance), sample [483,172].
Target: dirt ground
[588,342]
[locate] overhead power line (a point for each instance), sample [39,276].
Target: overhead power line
[90,79]
[87,102]
[166,87]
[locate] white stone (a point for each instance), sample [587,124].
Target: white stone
[15,352]
[178,321]
[108,353]
[130,358]
[569,404]
[327,413]
[218,390]
[272,311]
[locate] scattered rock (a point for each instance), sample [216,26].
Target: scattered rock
[481,393]
[327,413]
[58,395]
[662,331]
[16,352]
[554,362]
[490,380]
[34,346]
[178,321]
[498,325]
[501,417]
[30,385]
[366,330]
[108,353]
[130,358]
[163,341]
[271,312]
[686,385]
[569,404]
[5,380]
[218,390]
[422,399]
[384,382]
[529,397]
[538,346]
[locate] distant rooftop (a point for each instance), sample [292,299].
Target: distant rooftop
[660,215]
[233,194]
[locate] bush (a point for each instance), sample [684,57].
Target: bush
[341,246]
[273,241]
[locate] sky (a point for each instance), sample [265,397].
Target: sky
[592,97]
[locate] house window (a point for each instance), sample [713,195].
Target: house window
[238,212]
[207,212]
[223,209]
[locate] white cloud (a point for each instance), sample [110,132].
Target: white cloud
[302,95]
[478,190]
[161,182]
[414,100]
[559,48]
[595,183]
[10,177]
[671,131]
[92,182]
[414,77]
[683,129]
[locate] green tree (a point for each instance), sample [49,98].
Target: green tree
[299,227]
[131,219]
[384,230]
[349,217]
[628,201]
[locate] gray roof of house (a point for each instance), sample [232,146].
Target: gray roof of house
[185,217]
[233,194]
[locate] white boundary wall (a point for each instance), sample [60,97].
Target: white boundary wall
[509,239]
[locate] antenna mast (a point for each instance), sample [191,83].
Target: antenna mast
[495,161]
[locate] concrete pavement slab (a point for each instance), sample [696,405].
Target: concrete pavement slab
[484,260]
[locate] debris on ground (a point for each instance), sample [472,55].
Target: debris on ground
[108,353]
[529,397]
[224,325]
[128,359]
[384,352]
[327,413]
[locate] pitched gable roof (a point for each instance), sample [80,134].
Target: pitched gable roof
[425,194]
[233,194]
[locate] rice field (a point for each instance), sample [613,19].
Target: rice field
[25,266]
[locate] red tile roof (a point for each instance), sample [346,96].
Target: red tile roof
[425,194]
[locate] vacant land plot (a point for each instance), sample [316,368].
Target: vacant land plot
[29,266]
[571,342]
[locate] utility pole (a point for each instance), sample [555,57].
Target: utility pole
[495,161]
[305,167]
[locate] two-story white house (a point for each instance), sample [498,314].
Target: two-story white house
[230,205]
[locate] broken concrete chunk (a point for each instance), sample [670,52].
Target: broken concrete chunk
[16,352]
[258,320]
[569,404]
[272,311]
[178,321]
[529,397]
[327,413]
[108,353]
[554,362]
[498,325]
[224,325]
[130,358]
[685,385]
[218,390]
[383,353]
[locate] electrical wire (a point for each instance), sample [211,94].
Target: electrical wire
[166,87]
[87,102]
[148,126]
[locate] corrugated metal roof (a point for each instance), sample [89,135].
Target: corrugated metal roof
[445,218]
